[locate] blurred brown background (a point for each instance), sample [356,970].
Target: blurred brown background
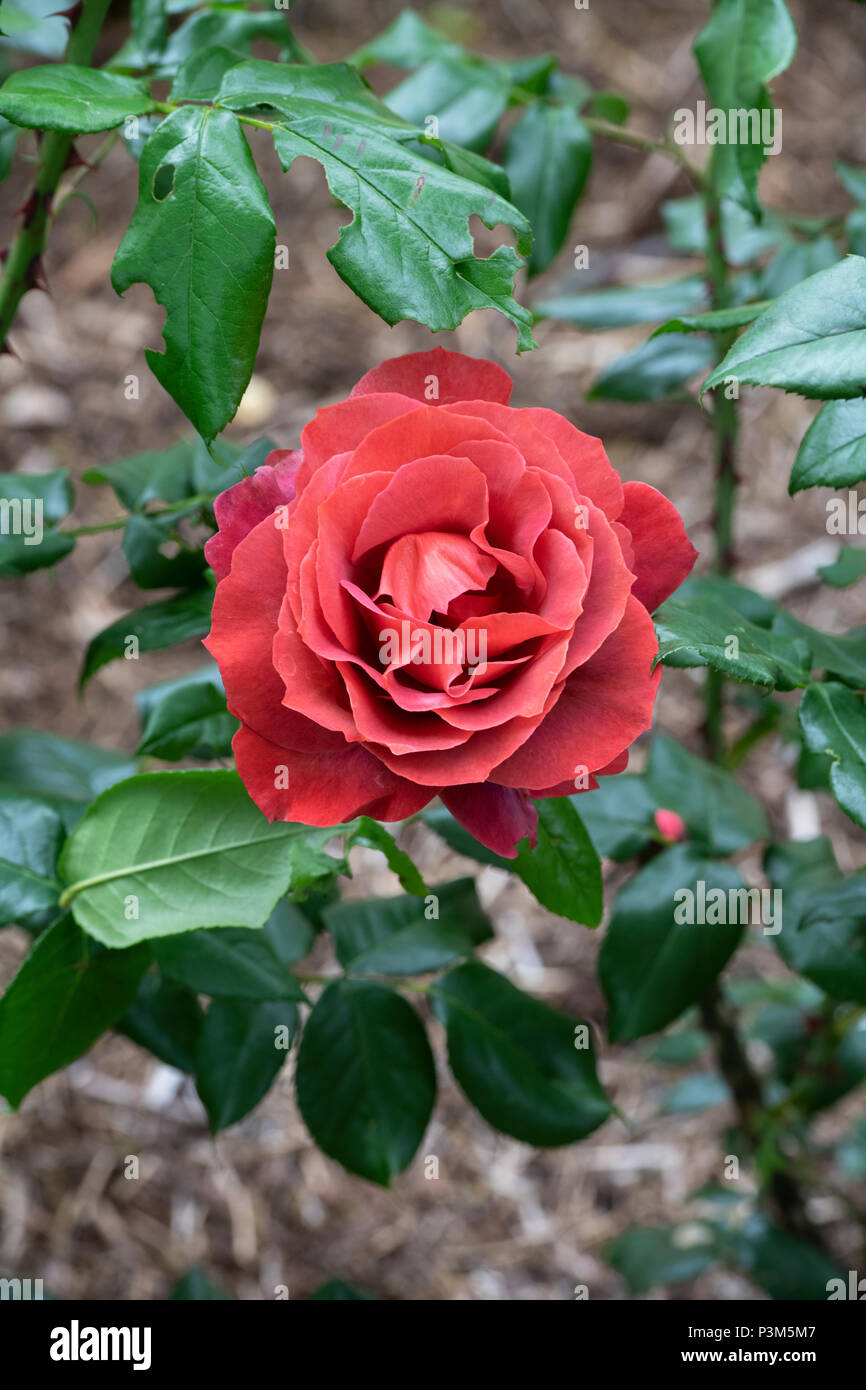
[260,1206]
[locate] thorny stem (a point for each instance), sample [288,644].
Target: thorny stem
[23,263]
[785,1194]
[201,499]
[82,171]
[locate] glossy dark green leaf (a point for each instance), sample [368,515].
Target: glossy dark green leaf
[171,851]
[846,569]
[186,717]
[290,931]
[623,305]
[833,722]
[237,28]
[30,506]
[841,654]
[653,966]
[366,1082]
[407,936]
[833,449]
[33,26]
[744,44]
[66,992]
[409,251]
[654,370]
[529,1069]
[157,559]
[202,237]
[241,1048]
[703,628]
[166,1019]
[812,340]
[227,961]
[743,236]
[78,100]
[547,159]
[619,815]
[31,833]
[155,626]
[722,817]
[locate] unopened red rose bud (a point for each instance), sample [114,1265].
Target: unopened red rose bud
[670,825]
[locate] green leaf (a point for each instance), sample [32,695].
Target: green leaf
[702,628]
[782,1265]
[812,340]
[149,26]
[235,28]
[166,1019]
[227,961]
[59,769]
[563,870]
[694,1093]
[743,46]
[32,26]
[650,1256]
[833,450]
[239,1054]
[833,721]
[839,654]
[399,936]
[406,43]
[846,569]
[183,471]
[715,320]
[184,850]
[743,236]
[146,541]
[186,717]
[409,252]
[722,816]
[289,932]
[202,237]
[547,159]
[654,370]
[619,816]
[623,305]
[854,180]
[31,833]
[8,140]
[155,626]
[652,966]
[30,506]
[65,994]
[372,833]
[466,96]
[78,100]
[794,262]
[823,937]
[519,1061]
[366,1082]
[200,75]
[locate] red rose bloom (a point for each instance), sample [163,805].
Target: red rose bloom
[438,595]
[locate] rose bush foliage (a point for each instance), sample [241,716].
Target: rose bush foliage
[423,502]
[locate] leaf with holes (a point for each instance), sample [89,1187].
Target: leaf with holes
[202,237]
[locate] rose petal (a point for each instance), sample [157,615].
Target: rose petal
[246,613]
[455,377]
[323,788]
[240,508]
[663,553]
[585,455]
[498,817]
[603,707]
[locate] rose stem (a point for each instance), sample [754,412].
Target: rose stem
[22,267]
